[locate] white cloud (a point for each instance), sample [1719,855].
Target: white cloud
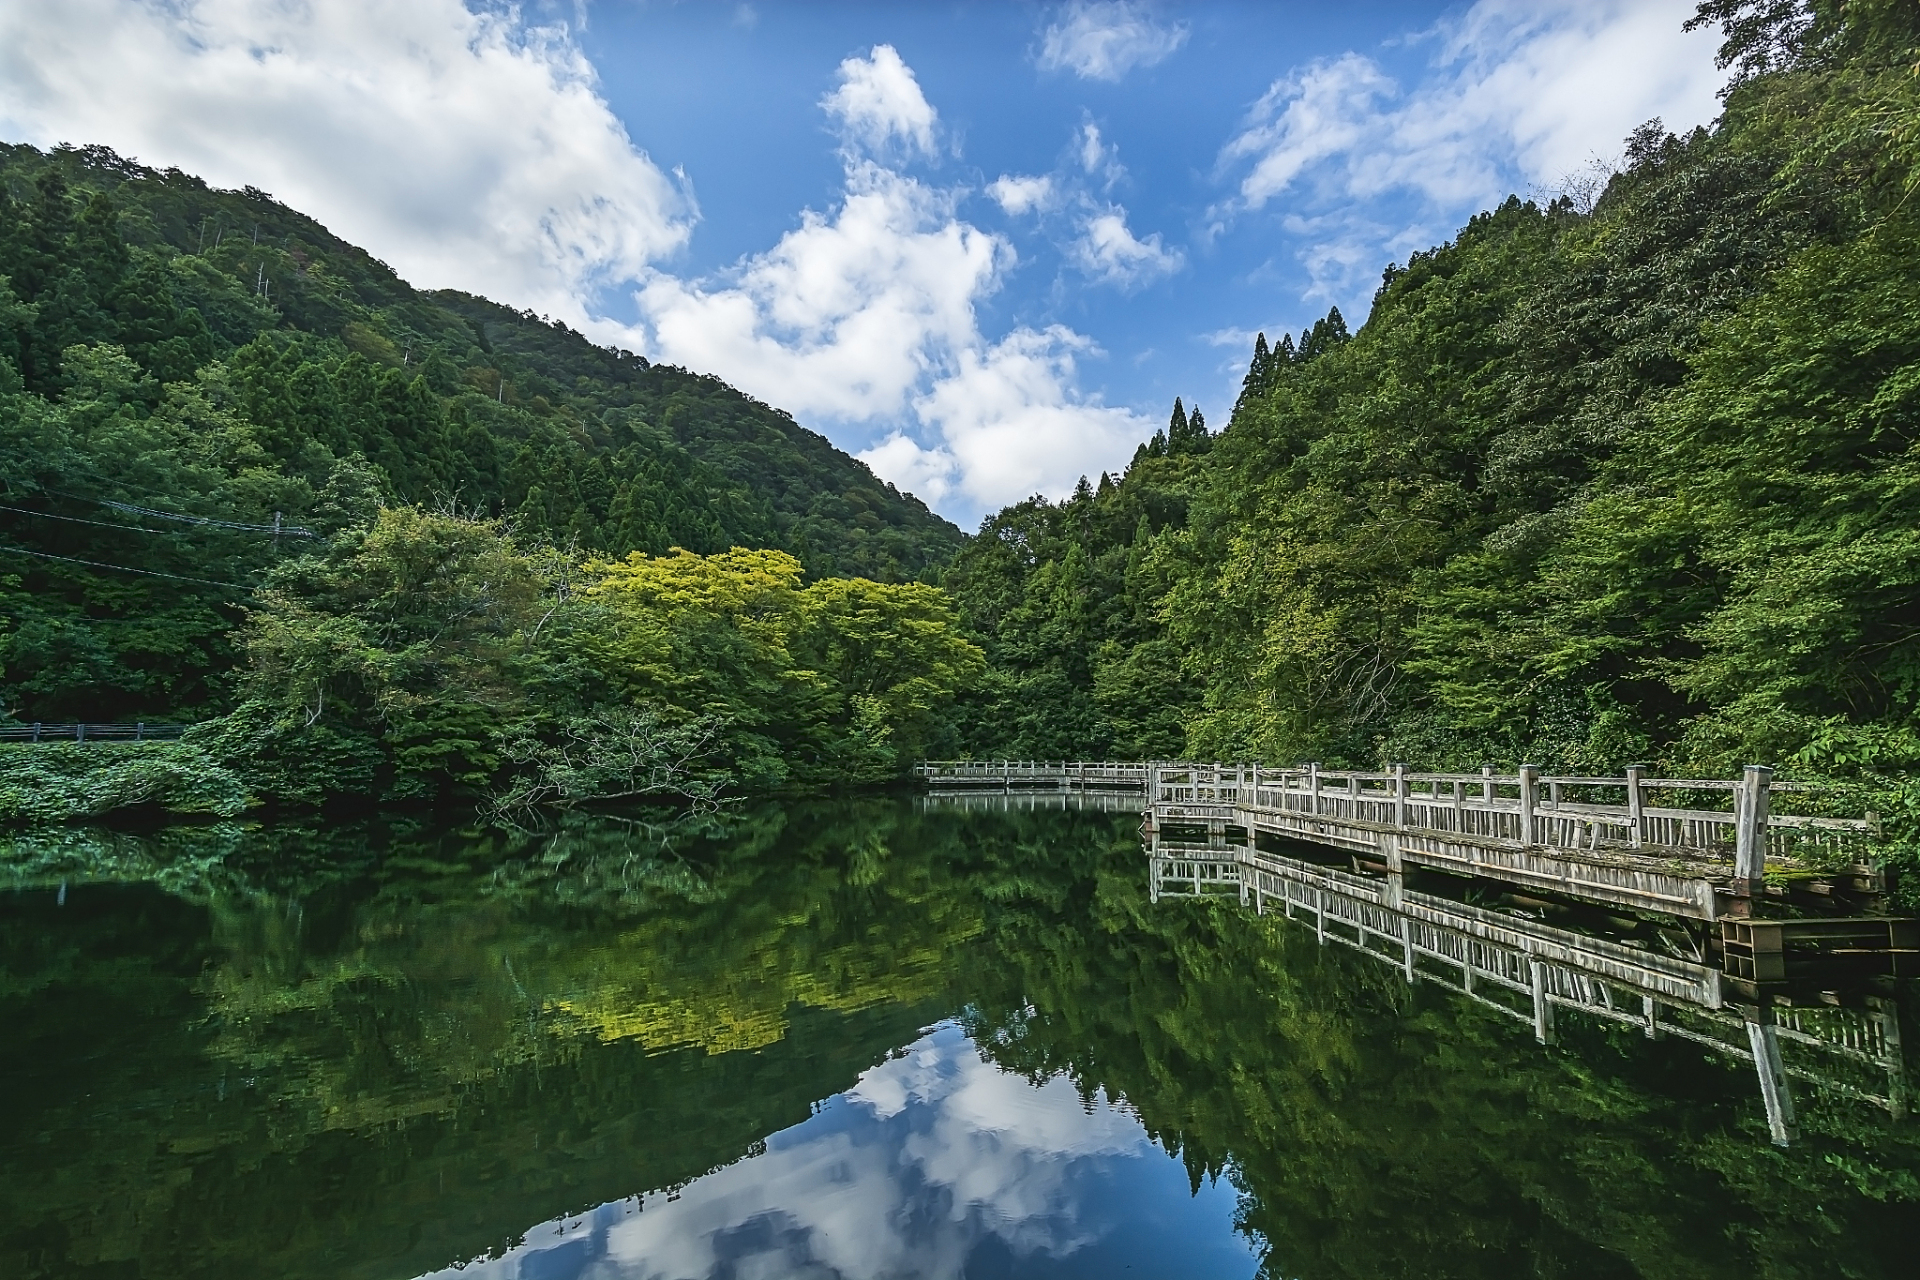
[1104,40]
[1527,88]
[1009,419]
[1520,94]
[1018,195]
[878,100]
[1097,158]
[474,151]
[848,314]
[470,150]
[1109,252]
[866,316]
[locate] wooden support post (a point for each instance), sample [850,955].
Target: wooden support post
[1313,781]
[1887,1014]
[1529,800]
[1650,1009]
[1320,916]
[1636,803]
[1406,948]
[1400,796]
[1764,1038]
[1750,832]
[1542,1007]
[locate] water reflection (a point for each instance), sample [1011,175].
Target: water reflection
[936,1164]
[373,1053]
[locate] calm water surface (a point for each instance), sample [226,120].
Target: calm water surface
[850,1039]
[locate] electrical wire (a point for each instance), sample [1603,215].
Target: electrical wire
[99,524]
[151,573]
[289,530]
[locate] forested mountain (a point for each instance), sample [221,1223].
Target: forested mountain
[183,367]
[1635,482]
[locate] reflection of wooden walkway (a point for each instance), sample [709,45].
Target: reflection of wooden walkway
[1033,775]
[1698,848]
[1531,971]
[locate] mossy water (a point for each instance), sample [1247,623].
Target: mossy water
[856,1038]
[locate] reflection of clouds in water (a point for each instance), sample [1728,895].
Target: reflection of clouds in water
[931,1154]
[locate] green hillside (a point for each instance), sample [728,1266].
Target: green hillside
[182,367]
[1635,482]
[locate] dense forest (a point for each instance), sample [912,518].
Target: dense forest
[1627,480]
[1635,482]
[392,543]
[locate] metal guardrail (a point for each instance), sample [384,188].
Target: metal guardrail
[139,731]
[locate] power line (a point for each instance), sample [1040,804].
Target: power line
[290,530]
[102,524]
[151,573]
[128,507]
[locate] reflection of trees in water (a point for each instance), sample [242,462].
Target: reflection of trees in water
[349,1051]
[360,1045]
[1381,1130]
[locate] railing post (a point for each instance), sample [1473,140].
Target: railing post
[1750,831]
[1313,787]
[36,731]
[1636,803]
[1542,1006]
[1529,799]
[80,732]
[1400,795]
[139,730]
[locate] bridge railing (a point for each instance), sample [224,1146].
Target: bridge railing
[1628,812]
[1034,773]
[136,732]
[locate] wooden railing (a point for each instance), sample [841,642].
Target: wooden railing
[1626,813]
[137,732]
[1035,774]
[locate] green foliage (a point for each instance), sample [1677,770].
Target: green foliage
[430,656]
[55,782]
[1591,486]
[213,354]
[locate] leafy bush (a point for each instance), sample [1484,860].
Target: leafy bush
[56,782]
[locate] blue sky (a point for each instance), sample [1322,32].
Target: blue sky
[982,245]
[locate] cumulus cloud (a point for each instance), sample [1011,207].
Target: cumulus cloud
[1009,424]
[1519,95]
[470,150]
[1018,195]
[866,315]
[1105,39]
[1108,251]
[848,313]
[878,100]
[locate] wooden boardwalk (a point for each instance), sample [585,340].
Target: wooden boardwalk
[1697,848]
[1533,972]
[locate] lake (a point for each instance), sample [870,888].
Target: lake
[859,1038]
